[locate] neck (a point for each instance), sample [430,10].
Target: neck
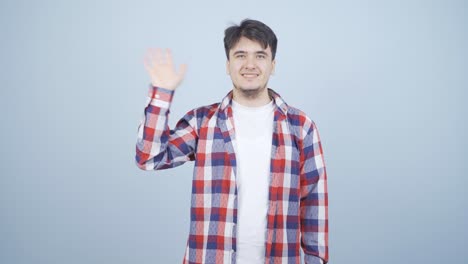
[251,98]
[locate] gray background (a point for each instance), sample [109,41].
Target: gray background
[385,81]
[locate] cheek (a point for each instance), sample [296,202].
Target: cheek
[235,65]
[234,69]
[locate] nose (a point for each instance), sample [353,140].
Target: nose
[250,62]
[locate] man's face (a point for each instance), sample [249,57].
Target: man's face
[250,66]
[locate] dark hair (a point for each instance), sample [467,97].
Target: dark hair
[253,30]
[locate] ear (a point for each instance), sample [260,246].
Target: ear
[273,64]
[227,68]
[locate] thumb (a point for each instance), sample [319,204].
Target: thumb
[182,71]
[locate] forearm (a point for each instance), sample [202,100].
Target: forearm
[314,228]
[314,223]
[153,131]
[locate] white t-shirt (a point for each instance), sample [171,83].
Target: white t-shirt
[253,130]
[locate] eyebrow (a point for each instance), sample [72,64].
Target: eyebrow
[243,52]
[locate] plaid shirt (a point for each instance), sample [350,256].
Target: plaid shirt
[298,199]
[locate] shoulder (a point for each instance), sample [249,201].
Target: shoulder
[300,120]
[206,111]
[199,117]
[297,119]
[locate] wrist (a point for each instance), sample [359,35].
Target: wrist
[160,97]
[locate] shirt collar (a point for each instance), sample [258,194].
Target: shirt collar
[279,102]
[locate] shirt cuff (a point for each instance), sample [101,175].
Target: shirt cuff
[160,97]
[311,259]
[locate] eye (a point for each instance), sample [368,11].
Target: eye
[240,56]
[261,56]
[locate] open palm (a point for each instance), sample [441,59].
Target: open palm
[161,69]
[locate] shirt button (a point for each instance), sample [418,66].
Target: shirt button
[157,96]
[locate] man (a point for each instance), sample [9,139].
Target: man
[259,183]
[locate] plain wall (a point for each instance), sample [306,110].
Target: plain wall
[385,82]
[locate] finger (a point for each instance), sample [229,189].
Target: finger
[182,70]
[168,56]
[149,55]
[158,57]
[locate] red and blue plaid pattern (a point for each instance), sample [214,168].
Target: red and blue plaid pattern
[298,198]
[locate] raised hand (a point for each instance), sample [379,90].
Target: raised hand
[161,69]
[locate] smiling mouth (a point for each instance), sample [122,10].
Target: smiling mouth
[250,75]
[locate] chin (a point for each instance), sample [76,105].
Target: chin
[250,88]
[250,91]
